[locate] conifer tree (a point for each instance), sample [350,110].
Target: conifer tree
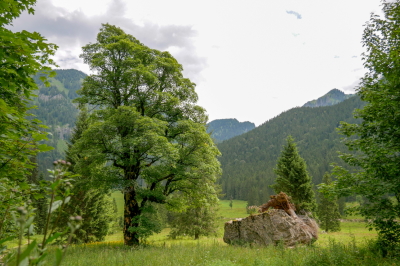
[88,201]
[328,210]
[293,178]
[81,125]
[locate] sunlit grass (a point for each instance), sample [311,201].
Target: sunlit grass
[350,230]
[347,247]
[215,253]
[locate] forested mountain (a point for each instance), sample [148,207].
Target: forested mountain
[248,160]
[333,97]
[56,110]
[223,129]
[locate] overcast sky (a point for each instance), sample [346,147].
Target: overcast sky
[251,60]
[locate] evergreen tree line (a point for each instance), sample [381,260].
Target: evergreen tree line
[248,160]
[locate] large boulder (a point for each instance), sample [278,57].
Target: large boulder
[270,228]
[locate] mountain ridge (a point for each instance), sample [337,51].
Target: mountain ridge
[224,129]
[56,110]
[333,97]
[248,160]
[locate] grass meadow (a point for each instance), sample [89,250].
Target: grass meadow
[350,246]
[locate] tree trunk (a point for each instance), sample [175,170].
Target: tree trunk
[131,210]
[196,236]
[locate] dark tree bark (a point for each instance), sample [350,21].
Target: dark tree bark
[132,209]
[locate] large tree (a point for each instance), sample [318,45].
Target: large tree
[293,178]
[148,136]
[377,138]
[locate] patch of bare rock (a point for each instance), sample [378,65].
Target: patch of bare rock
[270,228]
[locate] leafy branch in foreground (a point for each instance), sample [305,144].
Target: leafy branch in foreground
[377,138]
[58,191]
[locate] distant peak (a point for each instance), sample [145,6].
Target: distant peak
[333,97]
[223,129]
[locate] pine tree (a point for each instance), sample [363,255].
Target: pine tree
[328,210]
[81,125]
[89,202]
[96,211]
[293,178]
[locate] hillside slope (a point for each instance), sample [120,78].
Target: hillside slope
[248,160]
[56,110]
[333,97]
[223,129]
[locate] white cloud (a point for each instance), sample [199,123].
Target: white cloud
[70,30]
[251,60]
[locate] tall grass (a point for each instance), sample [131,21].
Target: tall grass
[114,253]
[351,246]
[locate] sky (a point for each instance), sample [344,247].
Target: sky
[251,60]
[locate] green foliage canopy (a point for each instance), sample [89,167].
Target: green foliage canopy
[199,218]
[377,138]
[148,137]
[22,55]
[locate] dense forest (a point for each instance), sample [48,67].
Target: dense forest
[55,109]
[223,129]
[248,160]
